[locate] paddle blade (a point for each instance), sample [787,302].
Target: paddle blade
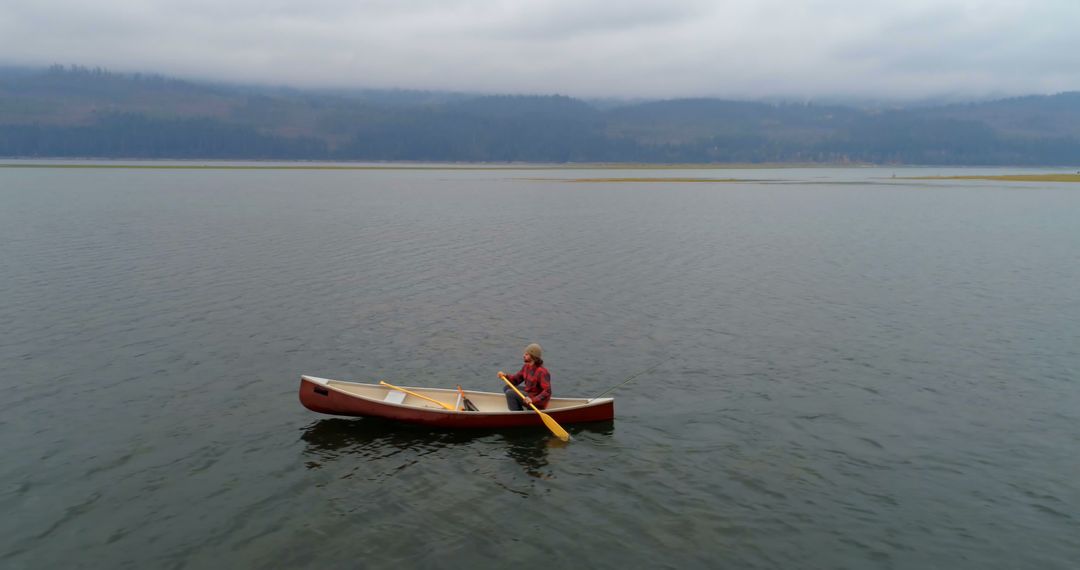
[554,426]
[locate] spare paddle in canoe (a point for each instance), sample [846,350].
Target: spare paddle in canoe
[467,404]
[411,393]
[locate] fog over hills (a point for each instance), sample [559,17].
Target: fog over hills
[81,112]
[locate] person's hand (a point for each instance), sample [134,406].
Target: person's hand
[501,374]
[528,400]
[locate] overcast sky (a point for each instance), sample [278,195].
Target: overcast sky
[626,48]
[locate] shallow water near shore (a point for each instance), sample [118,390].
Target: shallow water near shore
[856,370]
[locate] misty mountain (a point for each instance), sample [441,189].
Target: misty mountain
[80,112]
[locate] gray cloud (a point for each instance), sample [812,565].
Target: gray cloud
[634,48]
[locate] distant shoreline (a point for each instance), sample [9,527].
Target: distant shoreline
[432,166]
[196,165]
[1005,177]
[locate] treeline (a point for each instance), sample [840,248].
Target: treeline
[81,112]
[136,136]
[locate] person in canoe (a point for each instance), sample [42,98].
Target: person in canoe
[533,380]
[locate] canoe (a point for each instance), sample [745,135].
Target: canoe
[340,398]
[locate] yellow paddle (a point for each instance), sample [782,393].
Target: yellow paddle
[548,420]
[411,393]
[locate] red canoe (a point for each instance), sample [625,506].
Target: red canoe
[373,400]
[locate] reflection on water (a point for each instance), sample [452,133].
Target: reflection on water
[331,438]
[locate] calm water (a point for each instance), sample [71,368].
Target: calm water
[858,371]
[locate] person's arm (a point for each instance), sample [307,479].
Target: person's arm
[545,386]
[517,378]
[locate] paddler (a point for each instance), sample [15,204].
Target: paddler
[533,380]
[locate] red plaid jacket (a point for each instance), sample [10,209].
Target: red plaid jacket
[537,381]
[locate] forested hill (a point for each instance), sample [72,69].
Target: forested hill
[78,112]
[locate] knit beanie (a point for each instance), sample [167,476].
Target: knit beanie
[534,351]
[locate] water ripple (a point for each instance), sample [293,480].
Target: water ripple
[852,376]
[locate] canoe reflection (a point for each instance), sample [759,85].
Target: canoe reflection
[336,436]
[328,439]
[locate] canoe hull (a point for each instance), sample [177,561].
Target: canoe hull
[359,400]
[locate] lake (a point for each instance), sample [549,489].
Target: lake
[851,370]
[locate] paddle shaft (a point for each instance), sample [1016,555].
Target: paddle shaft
[548,420]
[411,393]
[518,392]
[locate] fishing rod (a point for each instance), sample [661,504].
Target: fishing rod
[646,371]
